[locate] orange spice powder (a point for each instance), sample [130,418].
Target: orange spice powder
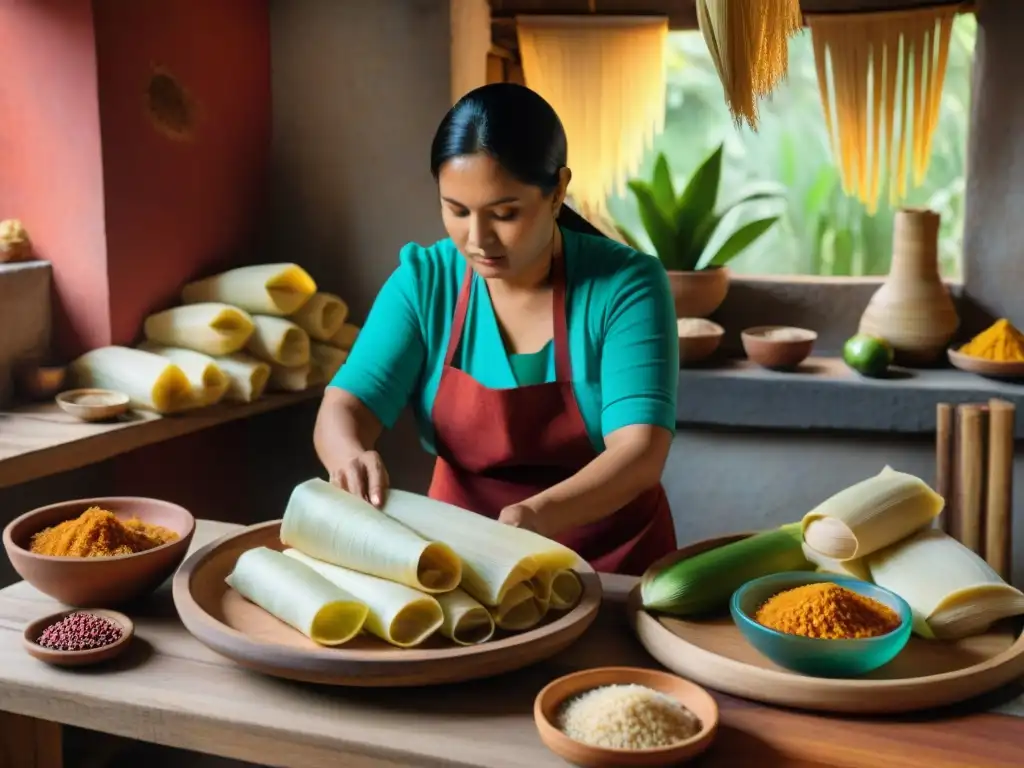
[99,533]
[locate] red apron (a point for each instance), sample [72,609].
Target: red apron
[498,447]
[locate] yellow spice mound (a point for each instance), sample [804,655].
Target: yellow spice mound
[1000,342]
[99,533]
[826,611]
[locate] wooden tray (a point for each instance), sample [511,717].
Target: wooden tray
[926,674]
[222,619]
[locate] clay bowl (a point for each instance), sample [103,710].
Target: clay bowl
[35,381]
[690,695]
[696,346]
[778,347]
[991,369]
[99,582]
[93,404]
[77,658]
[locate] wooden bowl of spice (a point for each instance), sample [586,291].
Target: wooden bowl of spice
[78,638]
[625,716]
[778,347]
[822,624]
[995,353]
[102,552]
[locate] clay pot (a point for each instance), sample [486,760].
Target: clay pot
[913,310]
[698,294]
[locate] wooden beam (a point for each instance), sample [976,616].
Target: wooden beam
[682,14]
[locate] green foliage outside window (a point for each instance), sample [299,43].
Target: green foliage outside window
[821,231]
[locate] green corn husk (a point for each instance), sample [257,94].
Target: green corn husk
[705,582]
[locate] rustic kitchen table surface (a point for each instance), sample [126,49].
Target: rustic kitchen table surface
[171,690]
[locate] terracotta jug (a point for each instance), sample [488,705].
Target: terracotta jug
[913,310]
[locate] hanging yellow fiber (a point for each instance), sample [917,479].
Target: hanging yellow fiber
[605,77]
[749,45]
[882,100]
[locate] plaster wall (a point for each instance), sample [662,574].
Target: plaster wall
[358,90]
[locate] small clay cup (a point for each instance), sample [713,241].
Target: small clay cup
[36,381]
[778,354]
[696,348]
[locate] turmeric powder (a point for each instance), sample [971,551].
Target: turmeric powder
[827,611]
[1000,342]
[99,533]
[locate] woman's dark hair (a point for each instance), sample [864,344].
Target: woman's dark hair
[516,127]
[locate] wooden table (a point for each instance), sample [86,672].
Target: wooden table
[172,690]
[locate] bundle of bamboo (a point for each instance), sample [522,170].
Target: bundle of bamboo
[974,473]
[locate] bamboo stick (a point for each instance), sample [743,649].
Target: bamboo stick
[944,462]
[999,491]
[970,476]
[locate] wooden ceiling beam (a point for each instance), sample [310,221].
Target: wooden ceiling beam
[682,14]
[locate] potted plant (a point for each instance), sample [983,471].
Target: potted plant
[680,227]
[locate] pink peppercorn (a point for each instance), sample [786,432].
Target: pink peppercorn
[80,631]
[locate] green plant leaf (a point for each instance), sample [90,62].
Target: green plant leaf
[631,241]
[737,242]
[842,253]
[706,228]
[656,224]
[661,186]
[696,202]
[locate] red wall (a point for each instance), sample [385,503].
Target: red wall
[51,174]
[177,209]
[125,213]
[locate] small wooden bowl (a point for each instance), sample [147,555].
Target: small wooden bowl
[93,404]
[778,354]
[690,695]
[991,369]
[697,347]
[77,658]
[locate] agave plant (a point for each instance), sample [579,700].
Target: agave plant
[681,226]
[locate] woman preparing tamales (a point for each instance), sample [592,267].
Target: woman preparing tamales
[540,357]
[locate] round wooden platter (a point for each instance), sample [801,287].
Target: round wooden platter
[927,674]
[222,619]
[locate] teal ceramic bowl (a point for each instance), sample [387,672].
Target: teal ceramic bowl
[813,656]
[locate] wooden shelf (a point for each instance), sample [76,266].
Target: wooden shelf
[41,440]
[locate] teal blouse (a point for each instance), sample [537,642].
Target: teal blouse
[623,340]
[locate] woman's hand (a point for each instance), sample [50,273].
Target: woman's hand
[363,475]
[523,516]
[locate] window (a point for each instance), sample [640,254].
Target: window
[822,231]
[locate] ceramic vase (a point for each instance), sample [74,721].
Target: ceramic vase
[913,309]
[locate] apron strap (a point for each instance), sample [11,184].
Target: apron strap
[459,319]
[563,363]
